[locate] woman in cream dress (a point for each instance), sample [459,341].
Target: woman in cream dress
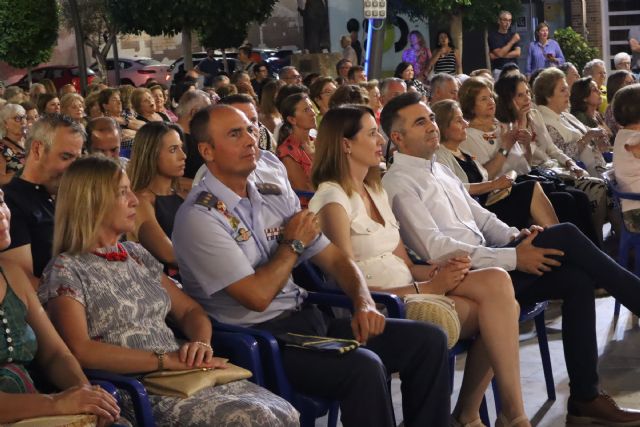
[355,215]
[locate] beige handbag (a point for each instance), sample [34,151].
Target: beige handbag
[57,421]
[437,309]
[188,382]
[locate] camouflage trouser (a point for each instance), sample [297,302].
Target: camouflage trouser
[632,220]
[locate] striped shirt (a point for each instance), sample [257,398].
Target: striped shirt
[446,64]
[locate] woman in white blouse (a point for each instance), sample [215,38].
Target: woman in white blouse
[566,131]
[355,215]
[509,144]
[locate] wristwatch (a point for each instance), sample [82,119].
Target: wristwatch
[503,151]
[160,355]
[296,245]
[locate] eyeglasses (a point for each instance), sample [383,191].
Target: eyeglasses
[19,119]
[327,92]
[506,20]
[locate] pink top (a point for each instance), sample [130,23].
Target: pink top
[291,147]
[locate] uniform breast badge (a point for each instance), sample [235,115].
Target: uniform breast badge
[273,233]
[268,189]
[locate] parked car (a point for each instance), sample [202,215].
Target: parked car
[59,74]
[136,71]
[177,67]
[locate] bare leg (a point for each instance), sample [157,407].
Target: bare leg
[487,304]
[477,369]
[542,211]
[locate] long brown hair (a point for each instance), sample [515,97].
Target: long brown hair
[143,166]
[330,161]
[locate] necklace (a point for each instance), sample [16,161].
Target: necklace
[119,255]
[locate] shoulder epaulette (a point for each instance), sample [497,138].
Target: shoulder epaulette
[207,200]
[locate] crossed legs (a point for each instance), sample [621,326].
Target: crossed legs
[487,309]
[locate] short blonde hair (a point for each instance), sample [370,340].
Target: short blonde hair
[136,97]
[545,84]
[67,99]
[88,191]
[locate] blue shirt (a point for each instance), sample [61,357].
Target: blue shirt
[537,57]
[211,256]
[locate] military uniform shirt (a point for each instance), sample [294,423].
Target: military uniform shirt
[216,247]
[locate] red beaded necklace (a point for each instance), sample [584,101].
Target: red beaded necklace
[120,255]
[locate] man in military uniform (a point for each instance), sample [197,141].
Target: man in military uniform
[237,238]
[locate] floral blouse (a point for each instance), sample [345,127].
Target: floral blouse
[419,60]
[14,158]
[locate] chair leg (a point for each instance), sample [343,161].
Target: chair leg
[496,396]
[332,419]
[484,412]
[543,343]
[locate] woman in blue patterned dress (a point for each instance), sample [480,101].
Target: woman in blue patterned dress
[109,300]
[27,334]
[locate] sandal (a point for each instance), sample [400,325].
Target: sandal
[504,422]
[475,423]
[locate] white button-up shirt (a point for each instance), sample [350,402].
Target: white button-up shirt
[438,216]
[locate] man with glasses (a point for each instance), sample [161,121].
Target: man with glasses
[290,75]
[504,44]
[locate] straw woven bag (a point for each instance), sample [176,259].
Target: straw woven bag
[57,421]
[437,309]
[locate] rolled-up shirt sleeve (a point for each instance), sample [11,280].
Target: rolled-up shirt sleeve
[421,233]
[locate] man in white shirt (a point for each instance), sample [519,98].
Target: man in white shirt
[438,217]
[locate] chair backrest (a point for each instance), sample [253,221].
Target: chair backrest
[610,178]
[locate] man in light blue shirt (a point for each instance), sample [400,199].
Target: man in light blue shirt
[438,217]
[237,237]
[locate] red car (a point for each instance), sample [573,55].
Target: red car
[59,74]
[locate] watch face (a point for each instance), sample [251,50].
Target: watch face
[297,246]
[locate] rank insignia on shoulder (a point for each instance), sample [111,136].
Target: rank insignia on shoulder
[243,235]
[208,200]
[268,189]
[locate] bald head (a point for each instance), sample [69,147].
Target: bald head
[103,136]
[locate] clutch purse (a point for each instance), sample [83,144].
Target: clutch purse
[57,421]
[436,309]
[188,382]
[321,344]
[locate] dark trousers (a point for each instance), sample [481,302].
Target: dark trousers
[584,268]
[358,379]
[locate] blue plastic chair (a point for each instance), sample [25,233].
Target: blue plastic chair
[308,276]
[310,407]
[629,241]
[242,349]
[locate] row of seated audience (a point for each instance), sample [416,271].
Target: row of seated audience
[236,236]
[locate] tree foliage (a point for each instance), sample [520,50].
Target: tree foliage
[98,30]
[29,31]
[219,23]
[232,22]
[477,14]
[575,48]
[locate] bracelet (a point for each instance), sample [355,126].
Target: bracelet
[204,344]
[416,287]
